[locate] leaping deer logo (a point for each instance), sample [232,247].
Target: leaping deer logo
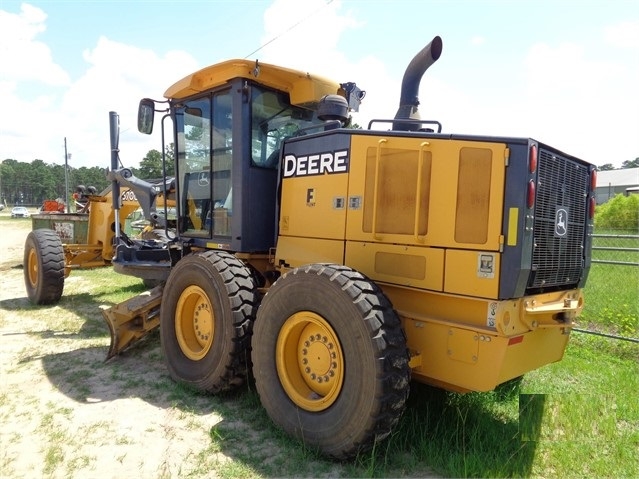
[560,222]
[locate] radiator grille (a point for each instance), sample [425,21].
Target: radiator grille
[559,225]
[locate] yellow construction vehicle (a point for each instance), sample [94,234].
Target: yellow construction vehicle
[342,263]
[61,242]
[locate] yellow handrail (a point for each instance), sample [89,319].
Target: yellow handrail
[420,167]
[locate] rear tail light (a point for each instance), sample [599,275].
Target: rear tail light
[532,159]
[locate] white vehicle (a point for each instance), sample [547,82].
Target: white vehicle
[20,212]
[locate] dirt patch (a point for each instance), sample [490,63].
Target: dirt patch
[12,246]
[65,413]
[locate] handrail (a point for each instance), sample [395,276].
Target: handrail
[406,121]
[418,203]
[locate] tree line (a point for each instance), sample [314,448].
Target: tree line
[626,164]
[30,184]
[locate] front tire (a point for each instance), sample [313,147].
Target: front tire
[330,359]
[43,266]
[206,320]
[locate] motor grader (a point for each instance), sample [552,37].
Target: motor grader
[62,242]
[337,264]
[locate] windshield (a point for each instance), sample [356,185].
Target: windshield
[273,119]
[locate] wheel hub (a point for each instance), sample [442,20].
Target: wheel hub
[32,268]
[194,323]
[310,363]
[317,359]
[203,323]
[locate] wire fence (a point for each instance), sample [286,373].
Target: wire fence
[612,290]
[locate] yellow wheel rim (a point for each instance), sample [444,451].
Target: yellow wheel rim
[309,360]
[32,268]
[194,323]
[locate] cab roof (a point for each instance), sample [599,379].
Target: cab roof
[303,88]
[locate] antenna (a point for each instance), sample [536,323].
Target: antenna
[328,2]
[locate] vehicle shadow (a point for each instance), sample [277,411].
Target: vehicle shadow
[454,434]
[471,435]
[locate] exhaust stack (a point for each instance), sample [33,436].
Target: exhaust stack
[409,101]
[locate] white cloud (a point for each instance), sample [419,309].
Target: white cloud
[21,56]
[624,34]
[574,94]
[309,36]
[564,94]
[116,77]
[309,40]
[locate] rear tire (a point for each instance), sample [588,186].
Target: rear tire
[43,266]
[330,359]
[206,320]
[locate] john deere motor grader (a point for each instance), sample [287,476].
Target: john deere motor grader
[51,250]
[349,262]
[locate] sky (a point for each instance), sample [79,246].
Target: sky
[563,72]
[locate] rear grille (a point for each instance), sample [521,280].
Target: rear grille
[559,225]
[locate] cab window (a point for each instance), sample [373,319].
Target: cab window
[273,118]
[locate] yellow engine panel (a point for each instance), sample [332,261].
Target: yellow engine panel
[426,214]
[314,207]
[423,219]
[398,264]
[472,273]
[440,192]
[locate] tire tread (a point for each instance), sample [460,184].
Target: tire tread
[48,247]
[243,304]
[391,357]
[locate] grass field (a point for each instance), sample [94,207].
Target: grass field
[576,418]
[612,291]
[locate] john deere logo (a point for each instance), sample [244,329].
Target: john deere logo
[561,222]
[328,163]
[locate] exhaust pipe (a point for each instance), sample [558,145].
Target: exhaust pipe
[409,101]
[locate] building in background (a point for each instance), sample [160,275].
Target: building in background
[614,182]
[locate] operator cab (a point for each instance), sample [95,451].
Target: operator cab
[228,153]
[229,121]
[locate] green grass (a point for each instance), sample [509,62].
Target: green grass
[575,418]
[585,423]
[612,290]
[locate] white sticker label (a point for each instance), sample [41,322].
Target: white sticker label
[492,314]
[486,265]
[64,231]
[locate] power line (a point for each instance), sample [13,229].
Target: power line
[328,2]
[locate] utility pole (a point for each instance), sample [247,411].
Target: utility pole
[66,177]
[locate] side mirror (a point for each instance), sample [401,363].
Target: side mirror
[146,113]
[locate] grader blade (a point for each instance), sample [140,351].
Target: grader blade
[133,319]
